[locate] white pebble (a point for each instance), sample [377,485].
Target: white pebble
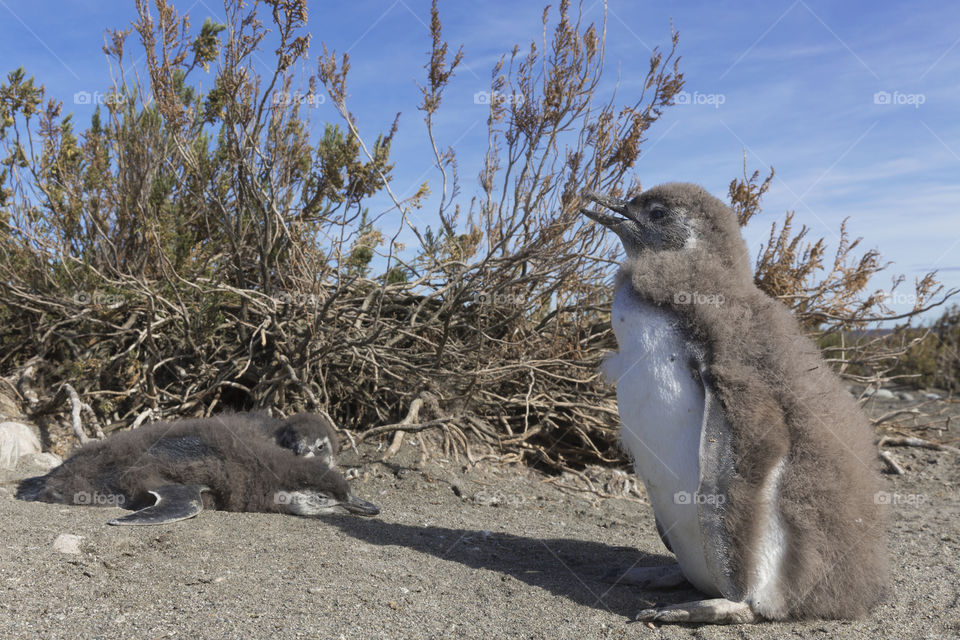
[67,543]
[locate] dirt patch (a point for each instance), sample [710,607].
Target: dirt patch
[458,551]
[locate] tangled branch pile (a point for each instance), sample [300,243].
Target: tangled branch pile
[193,251]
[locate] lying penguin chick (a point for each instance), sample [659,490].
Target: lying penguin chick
[171,471]
[760,468]
[308,435]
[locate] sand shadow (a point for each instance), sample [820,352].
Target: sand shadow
[566,567]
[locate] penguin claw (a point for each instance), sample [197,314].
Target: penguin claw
[646,615]
[712,611]
[662,615]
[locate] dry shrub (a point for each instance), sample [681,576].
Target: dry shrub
[831,295]
[193,250]
[933,356]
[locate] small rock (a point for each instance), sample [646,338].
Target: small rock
[931,396]
[16,439]
[906,397]
[485,499]
[880,394]
[67,543]
[38,462]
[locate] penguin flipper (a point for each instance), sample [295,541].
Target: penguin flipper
[175,502]
[716,468]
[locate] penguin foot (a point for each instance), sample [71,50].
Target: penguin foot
[713,611]
[666,577]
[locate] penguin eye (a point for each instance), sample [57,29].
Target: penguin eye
[658,214]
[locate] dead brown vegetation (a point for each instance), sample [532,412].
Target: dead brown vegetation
[192,250]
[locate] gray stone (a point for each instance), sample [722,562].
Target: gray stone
[38,462]
[67,543]
[16,439]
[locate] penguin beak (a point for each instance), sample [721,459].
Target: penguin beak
[610,203]
[359,507]
[605,220]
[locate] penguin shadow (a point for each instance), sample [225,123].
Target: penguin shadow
[566,567]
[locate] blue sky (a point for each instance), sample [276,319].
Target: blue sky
[853,103]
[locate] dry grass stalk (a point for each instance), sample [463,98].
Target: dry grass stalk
[194,250]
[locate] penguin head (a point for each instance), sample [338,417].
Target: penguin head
[309,435]
[312,503]
[670,217]
[325,493]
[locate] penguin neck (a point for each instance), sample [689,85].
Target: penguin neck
[678,277]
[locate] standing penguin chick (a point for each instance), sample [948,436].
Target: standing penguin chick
[760,468]
[168,471]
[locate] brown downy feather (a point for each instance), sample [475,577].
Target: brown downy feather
[232,454]
[780,398]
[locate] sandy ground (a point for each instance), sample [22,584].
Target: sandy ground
[470,552]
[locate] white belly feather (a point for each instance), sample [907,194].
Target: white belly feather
[661,402]
[661,407]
